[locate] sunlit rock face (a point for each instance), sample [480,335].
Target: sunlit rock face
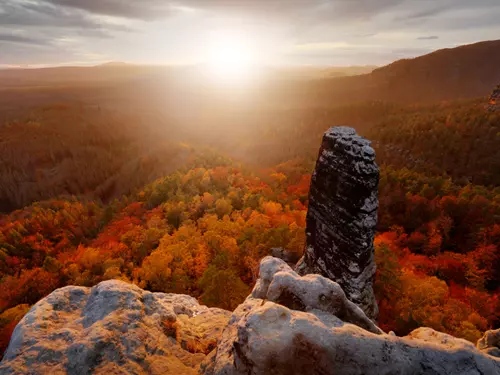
[288,325]
[342,216]
[113,328]
[490,343]
[279,283]
[267,338]
[293,325]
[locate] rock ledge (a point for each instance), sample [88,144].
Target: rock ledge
[287,326]
[113,328]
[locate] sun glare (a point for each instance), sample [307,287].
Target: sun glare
[230,58]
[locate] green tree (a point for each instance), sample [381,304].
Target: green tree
[222,288]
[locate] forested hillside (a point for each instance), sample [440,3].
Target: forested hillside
[459,139]
[67,149]
[115,152]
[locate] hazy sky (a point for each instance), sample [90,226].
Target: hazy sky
[321,32]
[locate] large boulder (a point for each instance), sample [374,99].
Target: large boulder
[267,338]
[113,328]
[342,216]
[279,283]
[291,325]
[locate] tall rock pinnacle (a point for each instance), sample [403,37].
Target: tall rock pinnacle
[342,215]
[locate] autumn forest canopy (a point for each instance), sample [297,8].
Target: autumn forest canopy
[154,177]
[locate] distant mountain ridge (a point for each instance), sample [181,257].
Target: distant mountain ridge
[455,73]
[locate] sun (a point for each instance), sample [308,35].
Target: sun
[230,57]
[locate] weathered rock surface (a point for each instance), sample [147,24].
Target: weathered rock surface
[113,328]
[267,334]
[267,338]
[288,325]
[490,343]
[342,216]
[280,284]
[288,256]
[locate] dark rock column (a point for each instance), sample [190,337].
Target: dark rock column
[342,216]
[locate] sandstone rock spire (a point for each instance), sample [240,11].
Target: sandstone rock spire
[342,215]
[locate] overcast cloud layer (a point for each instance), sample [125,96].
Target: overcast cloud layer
[321,32]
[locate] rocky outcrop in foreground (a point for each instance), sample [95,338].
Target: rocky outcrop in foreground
[291,325]
[342,216]
[288,325]
[113,328]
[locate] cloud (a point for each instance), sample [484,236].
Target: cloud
[424,9]
[297,15]
[13,38]
[17,13]
[157,9]
[82,13]
[431,37]
[425,12]
[135,9]
[23,50]
[39,32]
[320,30]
